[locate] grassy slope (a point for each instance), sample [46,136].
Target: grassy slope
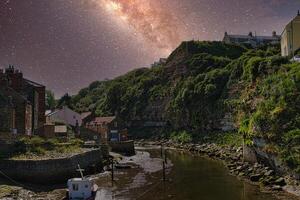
[260,89]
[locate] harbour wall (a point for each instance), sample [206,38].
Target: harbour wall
[52,170]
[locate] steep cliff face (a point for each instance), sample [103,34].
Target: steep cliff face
[183,93]
[209,87]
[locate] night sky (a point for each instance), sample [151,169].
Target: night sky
[67,44]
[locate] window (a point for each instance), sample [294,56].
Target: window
[75,187]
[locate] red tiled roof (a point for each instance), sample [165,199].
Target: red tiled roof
[103,120]
[85,114]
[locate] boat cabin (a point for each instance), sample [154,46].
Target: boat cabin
[80,188]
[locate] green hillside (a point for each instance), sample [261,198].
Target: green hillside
[200,84]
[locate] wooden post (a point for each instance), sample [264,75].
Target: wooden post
[161,151]
[112,172]
[164,171]
[166,160]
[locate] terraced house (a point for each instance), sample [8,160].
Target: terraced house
[22,103]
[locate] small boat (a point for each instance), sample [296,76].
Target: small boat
[81,188]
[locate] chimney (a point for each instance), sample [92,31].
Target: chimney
[298,13]
[226,34]
[14,77]
[250,34]
[274,34]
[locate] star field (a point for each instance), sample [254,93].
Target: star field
[67,44]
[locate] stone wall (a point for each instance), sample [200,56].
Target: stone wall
[125,147]
[52,170]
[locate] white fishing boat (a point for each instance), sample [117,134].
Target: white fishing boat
[81,188]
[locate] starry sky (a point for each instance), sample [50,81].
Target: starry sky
[67,44]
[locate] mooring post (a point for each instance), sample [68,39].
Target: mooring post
[112,172]
[166,156]
[164,171]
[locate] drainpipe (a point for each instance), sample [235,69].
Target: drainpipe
[292,26]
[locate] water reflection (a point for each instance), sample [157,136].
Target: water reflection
[189,178]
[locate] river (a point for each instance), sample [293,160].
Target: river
[188,178]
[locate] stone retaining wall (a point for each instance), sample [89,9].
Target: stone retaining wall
[52,170]
[125,147]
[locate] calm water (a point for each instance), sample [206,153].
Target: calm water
[193,178]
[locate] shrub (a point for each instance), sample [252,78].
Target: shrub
[182,137]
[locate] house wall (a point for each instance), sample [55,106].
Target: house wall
[41,106]
[20,115]
[285,50]
[290,39]
[67,115]
[6,119]
[28,119]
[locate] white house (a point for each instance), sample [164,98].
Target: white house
[65,115]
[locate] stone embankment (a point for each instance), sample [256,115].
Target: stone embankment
[124,147]
[52,170]
[232,157]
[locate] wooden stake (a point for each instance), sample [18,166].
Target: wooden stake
[164,171]
[112,172]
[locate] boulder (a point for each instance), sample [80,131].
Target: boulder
[269,173]
[280,182]
[255,177]
[276,188]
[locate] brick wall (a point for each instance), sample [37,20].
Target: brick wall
[41,106]
[6,119]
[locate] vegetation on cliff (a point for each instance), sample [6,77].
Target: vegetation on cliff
[201,83]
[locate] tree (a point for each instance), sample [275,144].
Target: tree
[50,100]
[65,101]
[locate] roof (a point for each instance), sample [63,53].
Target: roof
[52,113]
[85,115]
[103,120]
[254,37]
[65,108]
[33,83]
[297,18]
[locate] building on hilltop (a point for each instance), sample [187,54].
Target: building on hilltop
[251,39]
[23,100]
[290,37]
[161,62]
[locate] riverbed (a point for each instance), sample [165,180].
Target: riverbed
[188,177]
